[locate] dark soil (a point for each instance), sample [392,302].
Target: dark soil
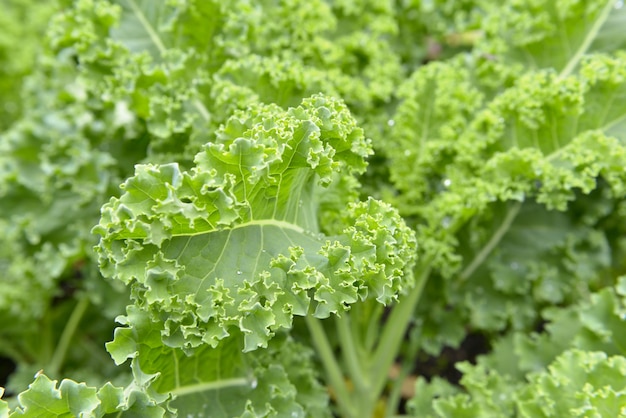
[442,365]
[6,368]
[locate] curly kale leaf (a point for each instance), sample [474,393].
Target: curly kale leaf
[236,242]
[495,155]
[70,398]
[221,381]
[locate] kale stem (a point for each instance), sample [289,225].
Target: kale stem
[151,31]
[16,352]
[333,371]
[495,239]
[372,331]
[408,362]
[351,356]
[591,36]
[393,333]
[66,337]
[46,347]
[396,390]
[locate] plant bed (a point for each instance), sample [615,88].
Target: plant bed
[313,208]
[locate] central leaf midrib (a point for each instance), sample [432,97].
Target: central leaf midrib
[160,45]
[587,41]
[152,34]
[221,384]
[257,222]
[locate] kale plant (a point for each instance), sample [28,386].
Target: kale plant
[312,208]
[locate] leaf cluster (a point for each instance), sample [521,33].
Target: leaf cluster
[263,206]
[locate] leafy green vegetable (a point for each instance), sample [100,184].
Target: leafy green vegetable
[23,23]
[236,241]
[43,398]
[321,203]
[495,164]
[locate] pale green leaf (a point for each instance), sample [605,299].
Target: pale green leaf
[576,380]
[236,242]
[222,381]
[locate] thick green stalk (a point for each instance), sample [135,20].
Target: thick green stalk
[357,361]
[393,333]
[66,337]
[368,369]
[351,356]
[396,389]
[373,328]
[331,366]
[408,362]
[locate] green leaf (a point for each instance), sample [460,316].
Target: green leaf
[145,25]
[222,381]
[597,324]
[577,383]
[44,399]
[23,24]
[546,33]
[422,403]
[72,399]
[479,140]
[236,241]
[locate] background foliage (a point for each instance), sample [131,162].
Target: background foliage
[496,131]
